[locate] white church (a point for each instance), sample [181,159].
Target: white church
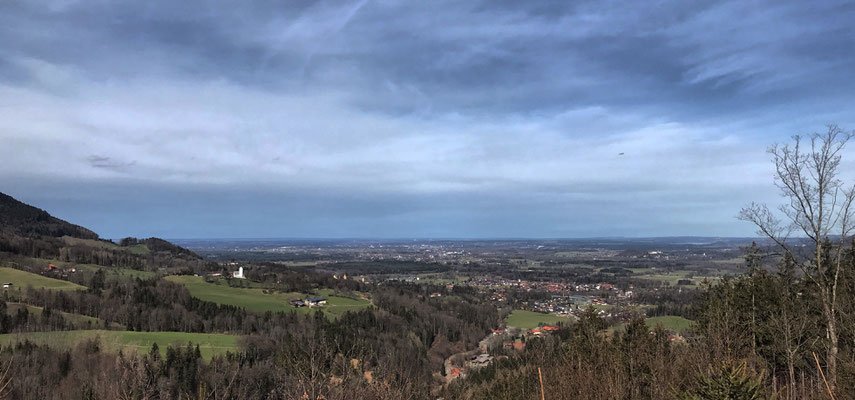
[239,273]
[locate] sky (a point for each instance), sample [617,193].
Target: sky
[413,119]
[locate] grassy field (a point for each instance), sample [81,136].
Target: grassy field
[78,320]
[210,344]
[251,299]
[529,319]
[130,273]
[674,323]
[21,279]
[254,299]
[337,306]
[114,273]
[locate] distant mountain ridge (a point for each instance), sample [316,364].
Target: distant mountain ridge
[25,220]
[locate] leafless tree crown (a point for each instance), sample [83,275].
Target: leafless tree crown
[818,204]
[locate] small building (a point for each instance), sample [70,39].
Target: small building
[239,273]
[435,294]
[298,303]
[514,345]
[316,301]
[481,360]
[7,285]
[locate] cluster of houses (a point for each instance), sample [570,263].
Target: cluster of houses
[54,271]
[309,302]
[54,268]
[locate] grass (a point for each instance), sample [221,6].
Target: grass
[210,344]
[114,273]
[138,249]
[336,306]
[254,299]
[674,323]
[22,279]
[530,319]
[248,298]
[129,273]
[671,322]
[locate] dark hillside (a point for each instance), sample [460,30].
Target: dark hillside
[25,220]
[31,232]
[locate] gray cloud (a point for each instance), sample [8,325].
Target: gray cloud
[436,118]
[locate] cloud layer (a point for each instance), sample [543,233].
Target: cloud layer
[402,119]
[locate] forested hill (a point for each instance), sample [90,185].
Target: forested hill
[32,232]
[158,245]
[25,220]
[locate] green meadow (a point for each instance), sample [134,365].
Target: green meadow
[21,279]
[530,319]
[254,299]
[674,323]
[670,322]
[210,344]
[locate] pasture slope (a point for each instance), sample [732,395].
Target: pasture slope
[674,323]
[254,299]
[210,344]
[670,322]
[22,279]
[530,319]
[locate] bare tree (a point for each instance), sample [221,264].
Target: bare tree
[818,206]
[6,380]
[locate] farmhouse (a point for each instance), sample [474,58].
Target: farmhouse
[316,301]
[481,360]
[298,303]
[7,285]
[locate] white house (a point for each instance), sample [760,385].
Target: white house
[239,273]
